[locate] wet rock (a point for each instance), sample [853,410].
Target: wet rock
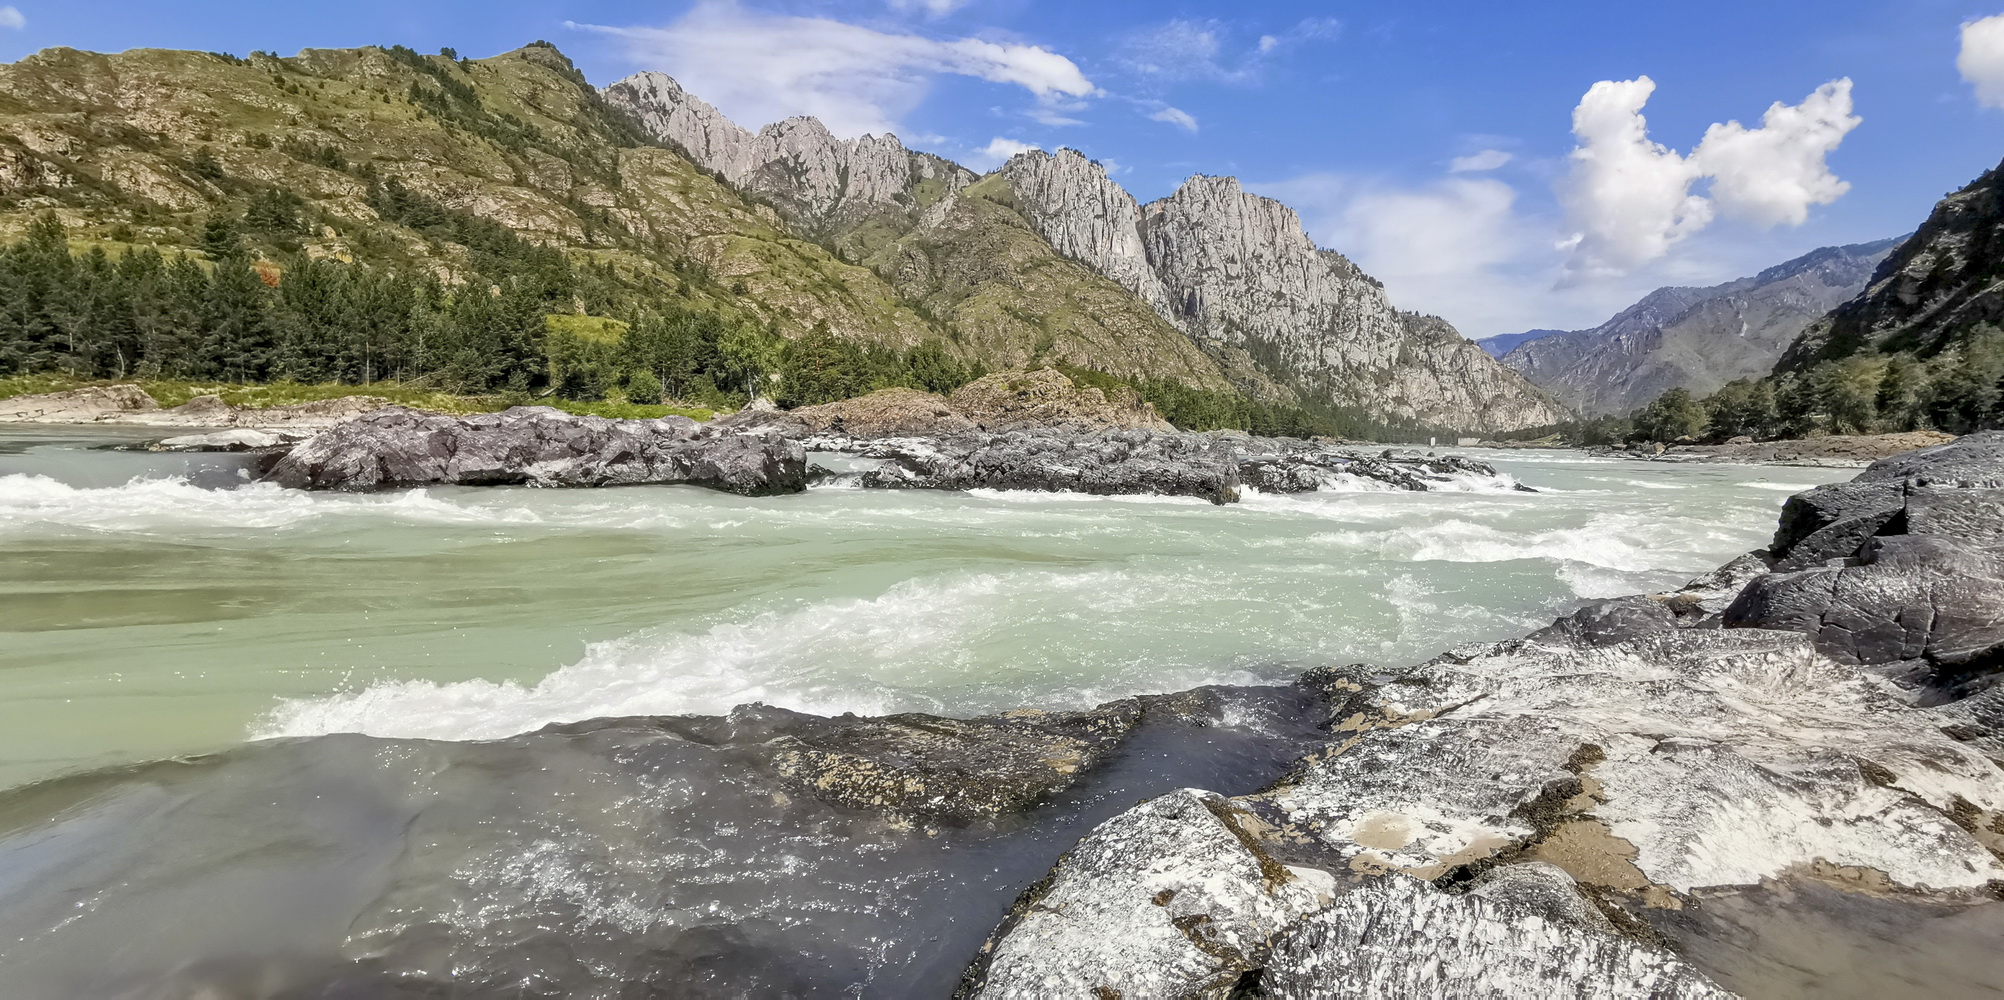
[1605,623]
[1398,938]
[244,439]
[1123,462]
[1903,598]
[1171,898]
[539,446]
[927,767]
[1902,568]
[1711,594]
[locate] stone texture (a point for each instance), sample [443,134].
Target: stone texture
[540,446]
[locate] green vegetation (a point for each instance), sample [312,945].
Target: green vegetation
[1958,390]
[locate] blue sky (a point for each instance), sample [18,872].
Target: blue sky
[1433,142]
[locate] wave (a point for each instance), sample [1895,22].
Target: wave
[1603,558]
[923,645]
[30,502]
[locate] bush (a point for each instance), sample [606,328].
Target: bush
[643,387]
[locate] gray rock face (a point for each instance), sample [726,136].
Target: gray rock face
[1399,939]
[814,177]
[1238,270]
[1231,270]
[1212,466]
[1903,567]
[1695,338]
[540,446]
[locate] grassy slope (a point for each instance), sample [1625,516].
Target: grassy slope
[114,143]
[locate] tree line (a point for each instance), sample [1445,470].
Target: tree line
[1958,390]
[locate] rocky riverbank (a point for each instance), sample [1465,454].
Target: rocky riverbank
[1630,802]
[1836,451]
[129,405]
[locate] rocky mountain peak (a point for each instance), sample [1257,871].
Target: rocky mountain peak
[813,176]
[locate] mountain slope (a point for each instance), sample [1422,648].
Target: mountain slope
[1943,283]
[1695,338]
[1234,273]
[1502,344]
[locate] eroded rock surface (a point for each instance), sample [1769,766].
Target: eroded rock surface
[540,446]
[1901,568]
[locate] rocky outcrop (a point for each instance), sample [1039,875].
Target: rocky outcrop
[89,405]
[1938,286]
[1695,338]
[1840,451]
[1901,569]
[814,177]
[1002,401]
[1572,813]
[1210,466]
[1238,270]
[539,446]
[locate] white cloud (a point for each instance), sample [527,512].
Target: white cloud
[12,18]
[1770,175]
[759,68]
[1630,198]
[1267,43]
[998,151]
[931,8]
[1475,163]
[1175,116]
[1981,60]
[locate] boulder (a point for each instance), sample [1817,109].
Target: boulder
[533,445]
[1119,462]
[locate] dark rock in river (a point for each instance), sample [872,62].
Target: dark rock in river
[1213,466]
[1902,568]
[539,446]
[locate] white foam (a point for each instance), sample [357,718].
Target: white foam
[924,645]
[31,502]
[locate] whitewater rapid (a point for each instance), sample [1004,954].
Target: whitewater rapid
[155,616]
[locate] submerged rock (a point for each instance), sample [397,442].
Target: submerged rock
[540,446]
[244,439]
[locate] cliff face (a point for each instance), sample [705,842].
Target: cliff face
[1945,280]
[1234,273]
[1238,271]
[826,185]
[1696,338]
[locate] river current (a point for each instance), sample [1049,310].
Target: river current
[156,606]
[270,744]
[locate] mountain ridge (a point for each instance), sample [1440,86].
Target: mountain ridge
[1696,338]
[1234,272]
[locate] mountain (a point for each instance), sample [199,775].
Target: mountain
[1230,273]
[1943,284]
[514,173]
[1502,344]
[1695,338]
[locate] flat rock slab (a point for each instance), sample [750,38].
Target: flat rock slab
[534,445]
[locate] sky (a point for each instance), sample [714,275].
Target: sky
[1507,166]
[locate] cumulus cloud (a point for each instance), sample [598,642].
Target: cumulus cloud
[1631,199]
[998,151]
[1175,116]
[1981,60]
[1475,163]
[931,8]
[12,18]
[760,68]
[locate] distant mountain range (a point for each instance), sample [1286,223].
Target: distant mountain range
[1693,338]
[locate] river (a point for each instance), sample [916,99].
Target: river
[146,614]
